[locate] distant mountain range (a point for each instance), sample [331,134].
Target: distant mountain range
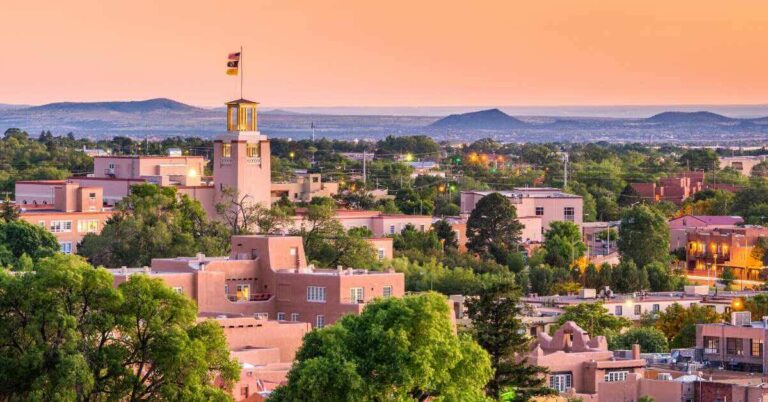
[491,119]
[144,106]
[689,118]
[159,118]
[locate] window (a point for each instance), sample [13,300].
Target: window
[568,214]
[381,254]
[293,251]
[734,346]
[617,310]
[178,289]
[561,382]
[66,247]
[92,196]
[243,292]
[638,309]
[315,179]
[244,391]
[41,223]
[111,165]
[711,345]
[226,150]
[320,321]
[226,290]
[294,317]
[252,150]
[539,211]
[316,294]
[387,291]
[356,295]
[392,229]
[756,345]
[655,308]
[88,226]
[422,228]
[281,316]
[61,226]
[614,376]
[261,316]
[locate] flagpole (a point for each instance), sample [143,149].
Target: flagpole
[241,72]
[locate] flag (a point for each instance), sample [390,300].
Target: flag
[233,63]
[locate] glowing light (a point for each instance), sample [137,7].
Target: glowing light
[192,173]
[408,157]
[292,154]
[441,188]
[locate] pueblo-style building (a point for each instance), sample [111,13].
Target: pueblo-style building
[269,277]
[709,251]
[536,207]
[266,297]
[241,165]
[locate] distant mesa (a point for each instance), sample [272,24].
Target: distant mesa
[144,106]
[280,112]
[689,118]
[491,119]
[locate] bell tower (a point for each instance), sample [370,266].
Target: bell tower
[241,156]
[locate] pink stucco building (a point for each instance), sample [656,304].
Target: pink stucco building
[680,226]
[268,276]
[73,212]
[536,208]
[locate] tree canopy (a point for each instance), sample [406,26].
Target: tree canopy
[492,228]
[594,318]
[643,236]
[154,222]
[19,238]
[397,349]
[72,336]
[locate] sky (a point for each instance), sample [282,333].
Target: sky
[387,53]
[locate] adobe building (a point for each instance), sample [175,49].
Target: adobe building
[303,188]
[268,277]
[741,164]
[737,345]
[536,208]
[265,350]
[583,367]
[680,226]
[73,212]
[708,252]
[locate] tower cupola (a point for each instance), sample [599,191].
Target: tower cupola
[241,115]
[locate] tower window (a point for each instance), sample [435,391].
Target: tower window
[226,150]
[252,150]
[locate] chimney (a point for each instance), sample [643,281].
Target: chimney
[635,351]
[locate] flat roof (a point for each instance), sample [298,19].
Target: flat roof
[530,192]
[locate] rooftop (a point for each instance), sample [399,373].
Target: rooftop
[531,192]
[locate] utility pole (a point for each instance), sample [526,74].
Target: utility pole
[565,170]
[365,156]
[313,131]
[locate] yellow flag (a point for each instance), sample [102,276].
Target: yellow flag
[231,71]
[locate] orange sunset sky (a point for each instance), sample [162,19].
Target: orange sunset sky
[393,53]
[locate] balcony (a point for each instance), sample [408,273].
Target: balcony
[253,160]
[226,160]
[255,297]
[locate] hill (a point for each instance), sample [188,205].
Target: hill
[145,106]
[689,118]
[491,119]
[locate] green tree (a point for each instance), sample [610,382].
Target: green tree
[411,203]
[325,241]
[492,228]
[651,340]
[661,278]
[563,244]
[679,323]
[76,337]
[643,236]
[700,159]
[19,238]
[154,222]
[727,277]
[593,318]
[445,234]
[497,328]
[9,212]
[411,239]
[400,349]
